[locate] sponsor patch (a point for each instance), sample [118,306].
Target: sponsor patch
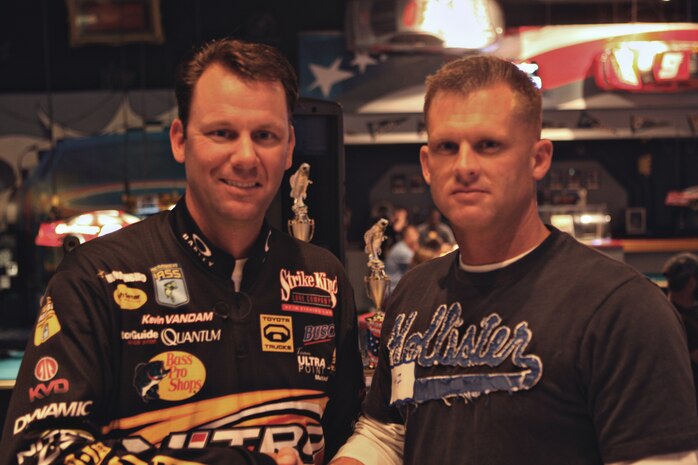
[57,410]
[314,334]
[177,318]
[45,369]
[47,448]
[318,367]
[277,333]
[113,276]
[199,247]
[43,390]
[313,293]
[129,298]
[170,286]
[47,324]
[137,338]
[172,337]
[169,376]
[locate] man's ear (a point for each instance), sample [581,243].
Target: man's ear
[291,146]
[424,161]
[541,158]
[177,140]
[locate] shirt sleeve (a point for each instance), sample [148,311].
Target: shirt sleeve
[375,443]
[681,458]
[635,369]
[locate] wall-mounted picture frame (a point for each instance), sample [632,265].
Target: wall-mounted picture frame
[114,22]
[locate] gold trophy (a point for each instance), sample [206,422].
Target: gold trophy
[377,286]
[301,226]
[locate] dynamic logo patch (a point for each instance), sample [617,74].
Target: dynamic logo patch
[129,298]
[277,333]
[170,286]
[169,376]
[47,324]
[57,410]
[313,293]
[441,344]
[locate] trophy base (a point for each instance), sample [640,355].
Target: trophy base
[302,229]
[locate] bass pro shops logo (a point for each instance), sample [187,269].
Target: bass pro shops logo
[170,286]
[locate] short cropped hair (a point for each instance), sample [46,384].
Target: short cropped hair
[679,269]
[475,72]
[248,61]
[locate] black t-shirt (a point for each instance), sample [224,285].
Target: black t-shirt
[563,357]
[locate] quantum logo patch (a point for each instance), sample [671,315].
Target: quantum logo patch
[170,376]
[47,324]
[129,298]
[46,368]
[170,286]
[277,333]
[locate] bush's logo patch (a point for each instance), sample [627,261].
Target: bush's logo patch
[129,298]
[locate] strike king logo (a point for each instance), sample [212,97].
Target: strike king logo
[318,303]
[129,298]
[169,376]
[170,286]
[277,333]
[47,324]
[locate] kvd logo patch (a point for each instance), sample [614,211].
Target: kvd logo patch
[170,286]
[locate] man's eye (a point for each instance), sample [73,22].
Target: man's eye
[488,146]
[447,147]
[265,136]
[221,134]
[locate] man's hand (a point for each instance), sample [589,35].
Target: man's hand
[345,461]
[287,456]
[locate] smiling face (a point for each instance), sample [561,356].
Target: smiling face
[482,160]
[238,143]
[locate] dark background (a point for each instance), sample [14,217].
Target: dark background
[35,54]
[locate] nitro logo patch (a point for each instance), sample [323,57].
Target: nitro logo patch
[277,333]
[129,298]
[442,344]
[47,324]
[314,293]
[46,368]
[169,376]
[170,286]
[113,276]
[47,448]
[314,334]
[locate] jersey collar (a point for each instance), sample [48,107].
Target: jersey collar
[217,261]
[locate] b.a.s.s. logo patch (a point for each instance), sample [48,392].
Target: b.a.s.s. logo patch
[170,285]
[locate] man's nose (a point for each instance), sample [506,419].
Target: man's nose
[467,164]
[244,155]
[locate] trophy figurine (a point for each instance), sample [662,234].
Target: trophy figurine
[301,226]
[377,284]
